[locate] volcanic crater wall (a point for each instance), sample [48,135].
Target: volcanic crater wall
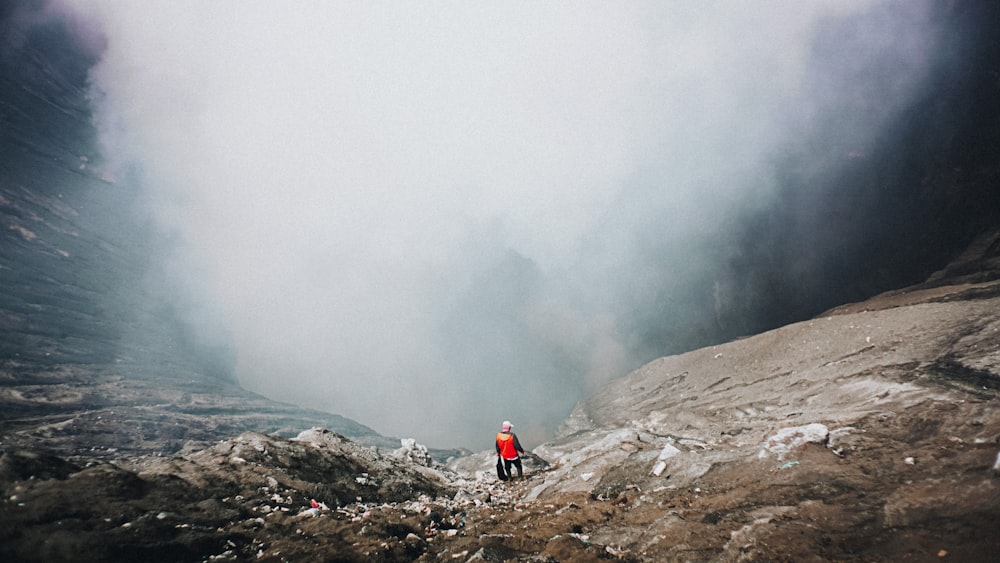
[74,249]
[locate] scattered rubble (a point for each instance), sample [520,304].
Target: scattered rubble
[786,440]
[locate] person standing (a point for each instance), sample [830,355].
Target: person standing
[509,450]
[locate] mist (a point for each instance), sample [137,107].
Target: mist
[433,217]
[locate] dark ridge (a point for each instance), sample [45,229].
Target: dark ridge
[951,372]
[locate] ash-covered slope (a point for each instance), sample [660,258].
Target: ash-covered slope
[870,432]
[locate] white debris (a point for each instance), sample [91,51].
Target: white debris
[412,538]
[464,496]
[788,439]
[617,552]
[412,451]
[659,468]
[909,461]
[319,438]
[691,443]
[668,451]
[844,440]
[310,512]
[587,476]
[996,464]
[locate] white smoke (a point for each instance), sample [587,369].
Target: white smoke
[426,216]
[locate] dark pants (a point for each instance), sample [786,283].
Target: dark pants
[516,462]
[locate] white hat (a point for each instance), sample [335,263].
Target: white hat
[506,425]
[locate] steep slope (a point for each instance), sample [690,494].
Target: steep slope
[868,433]
[59,261]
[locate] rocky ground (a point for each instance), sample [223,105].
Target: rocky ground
[867,434]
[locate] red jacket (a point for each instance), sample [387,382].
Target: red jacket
[507,445]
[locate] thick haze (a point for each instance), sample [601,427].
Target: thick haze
[431,217]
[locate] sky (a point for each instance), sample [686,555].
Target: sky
[432,217]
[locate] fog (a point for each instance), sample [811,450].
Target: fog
[431,217]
